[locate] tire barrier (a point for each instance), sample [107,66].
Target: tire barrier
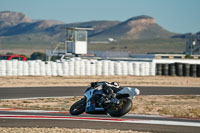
[178,69]
[159,69]
[165,69]
[198,70]
[193,70]
[76,67]
[186,69]
[172,70]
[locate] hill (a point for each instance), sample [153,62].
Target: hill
[18,31]
[8,19]
[58,31]
[140,27]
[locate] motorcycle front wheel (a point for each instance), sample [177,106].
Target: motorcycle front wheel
[117,110]
[78,107]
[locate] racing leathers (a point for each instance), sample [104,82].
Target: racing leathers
[109,89]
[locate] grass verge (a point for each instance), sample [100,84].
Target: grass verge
[175,106]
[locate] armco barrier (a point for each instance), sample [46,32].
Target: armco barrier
[76,67]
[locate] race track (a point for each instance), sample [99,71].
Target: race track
[30,92]
[32,118]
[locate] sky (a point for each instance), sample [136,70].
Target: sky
[180,16]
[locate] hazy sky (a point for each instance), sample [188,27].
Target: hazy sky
[179,16]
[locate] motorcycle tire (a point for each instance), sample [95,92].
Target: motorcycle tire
[78,107]
[124,106]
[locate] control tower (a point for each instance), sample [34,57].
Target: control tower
[75,44]
[76,41]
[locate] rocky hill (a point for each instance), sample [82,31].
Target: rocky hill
[140,27]
[58,31]
[8,19]
[13,23]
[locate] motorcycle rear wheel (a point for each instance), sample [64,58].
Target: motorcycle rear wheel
[78,107]
[118,110]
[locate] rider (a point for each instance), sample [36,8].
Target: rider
[109,89]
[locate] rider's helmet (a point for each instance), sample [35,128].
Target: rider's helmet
[115,84]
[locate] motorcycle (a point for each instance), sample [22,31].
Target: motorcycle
[96,102]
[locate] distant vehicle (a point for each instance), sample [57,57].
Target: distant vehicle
[111,40]
[13,57]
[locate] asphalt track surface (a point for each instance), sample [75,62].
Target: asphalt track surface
[64,119]
[127,122]
[31,92]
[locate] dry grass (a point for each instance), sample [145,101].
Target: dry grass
[62,130]
[30,81]
[176,106]
[57,104]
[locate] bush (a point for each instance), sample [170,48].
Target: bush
[38,56]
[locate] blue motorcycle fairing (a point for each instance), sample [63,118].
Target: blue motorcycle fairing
[90,103]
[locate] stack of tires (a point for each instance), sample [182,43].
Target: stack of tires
[105,68]
[59,69]
[37,68]
[65,67]
[71,68]
[99,66]
[42,68]
[77,67]
[14,67]
[178,69]
[3,68]
[48,69]
[87,68]
[152,69]
[136,68]
[93,67]
[31,65]
[82,68]
[111,70]
[130,68]
[25,68]
[117,68]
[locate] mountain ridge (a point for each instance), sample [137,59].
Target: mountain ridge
[138,27]
[8,18]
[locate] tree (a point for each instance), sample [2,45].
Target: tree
[10,53]
[38,56]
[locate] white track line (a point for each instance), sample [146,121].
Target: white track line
[39,98]
[135,121]
[30,111]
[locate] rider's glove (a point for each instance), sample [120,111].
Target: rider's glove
[93,84]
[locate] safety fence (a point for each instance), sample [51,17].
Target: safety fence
[76,67]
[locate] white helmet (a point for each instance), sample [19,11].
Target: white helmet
[115,84]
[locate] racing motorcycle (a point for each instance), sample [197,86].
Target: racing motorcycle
[96,102]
